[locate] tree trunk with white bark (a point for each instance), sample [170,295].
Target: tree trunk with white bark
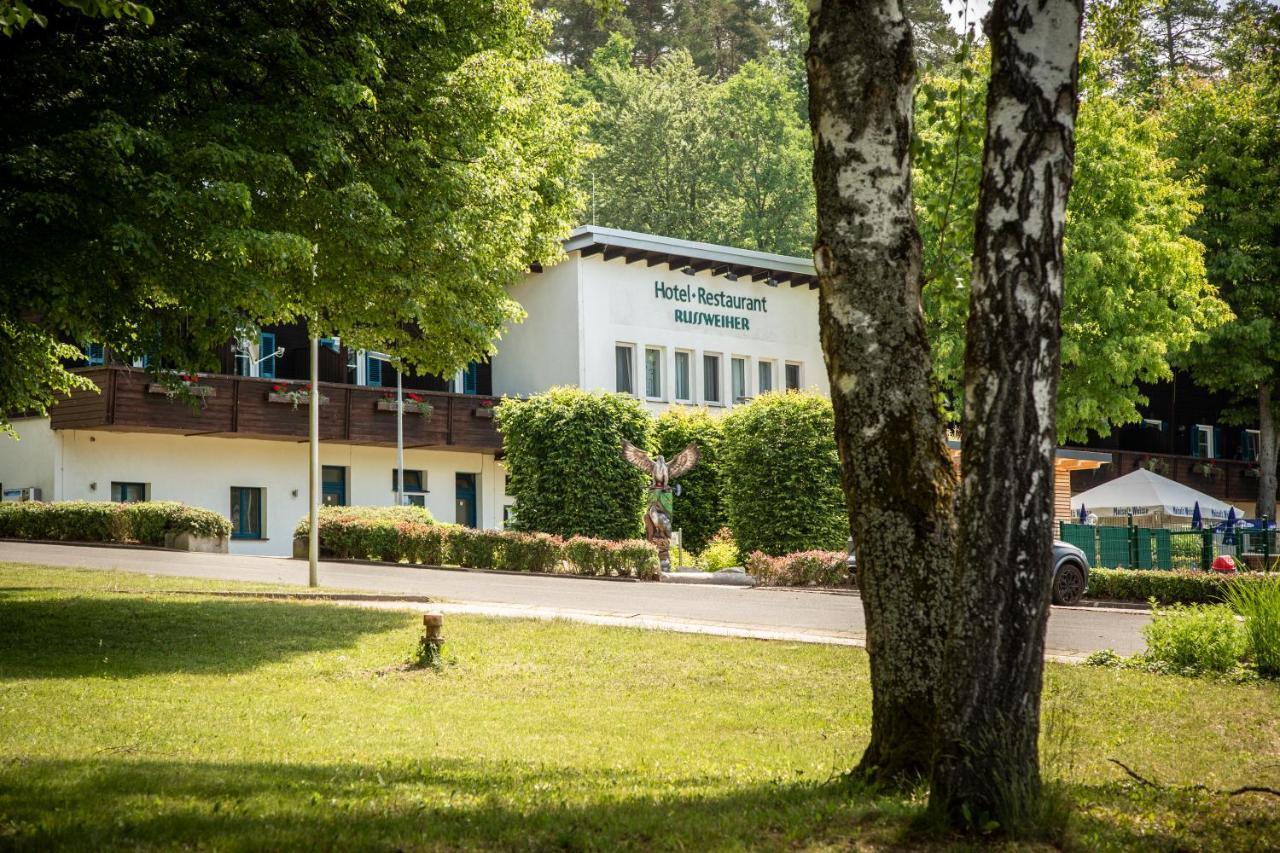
[898,476]
[987,765]
[1267,440]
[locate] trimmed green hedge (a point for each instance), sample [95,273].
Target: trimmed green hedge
[1175,587]
[805,568]
[699,510]
[563,450]
[408,534]
[782,475]
[146,522]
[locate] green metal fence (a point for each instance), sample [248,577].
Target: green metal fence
[1124,545]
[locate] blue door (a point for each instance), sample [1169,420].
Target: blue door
[465,499]
[334,480]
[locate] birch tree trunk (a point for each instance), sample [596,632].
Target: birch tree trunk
[988,764]
[1267,439]
[898,476]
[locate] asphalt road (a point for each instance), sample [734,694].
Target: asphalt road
[1072,631]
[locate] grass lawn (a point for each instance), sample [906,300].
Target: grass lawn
[135,718]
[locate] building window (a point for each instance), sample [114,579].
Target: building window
[508,514]
[765,384]
[793,377]
[471,378]
[653,373]
[683,384]
[126,493]
[372,371]
[711,378]
[334,485]
[1153,423]
[622,356]
[1202,442]
[95,354]
[415,482]
[267,352]
[738,378]
[246,512]
[353,367]
[1249,439]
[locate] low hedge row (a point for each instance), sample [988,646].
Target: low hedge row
[803,568]
[410,534]
[146,522]
[1174,587]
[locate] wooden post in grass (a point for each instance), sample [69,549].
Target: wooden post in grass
[431,645]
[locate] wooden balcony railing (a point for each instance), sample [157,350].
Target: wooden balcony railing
[1225,479]
[243,407]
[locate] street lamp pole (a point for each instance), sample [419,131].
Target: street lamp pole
[313,495]
[399,437]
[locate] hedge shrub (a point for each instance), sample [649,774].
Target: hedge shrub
[146,522]
[1195,638]
[563,451]
[805,568]
[782,475]
[407,534]
[1175,587]
[699,510]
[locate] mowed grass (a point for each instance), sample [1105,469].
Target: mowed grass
[134,718]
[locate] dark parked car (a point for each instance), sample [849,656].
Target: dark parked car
[1070,571]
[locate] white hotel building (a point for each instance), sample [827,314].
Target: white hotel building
[670,321]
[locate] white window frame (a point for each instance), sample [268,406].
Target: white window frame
[631,361]
[1256,441]
[688,376]
[799,366]
[1204,439]
[746,379]
[719,358]
[661,353]
[1153,422]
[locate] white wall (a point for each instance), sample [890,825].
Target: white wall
[201,470]
[545,349]
[616,302]
[31,459]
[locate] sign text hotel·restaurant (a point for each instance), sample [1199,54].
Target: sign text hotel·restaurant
[713,299]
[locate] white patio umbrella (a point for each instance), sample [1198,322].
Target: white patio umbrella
[1143,492]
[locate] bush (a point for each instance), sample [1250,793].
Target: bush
[563,450]
[1176,587]
[1196,638]
[699,510]
[782,475]
[146,522]
[1259,604]
[396,534]
[806,568]
[721,553]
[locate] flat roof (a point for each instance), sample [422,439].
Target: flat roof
[733,263]
[1065,458]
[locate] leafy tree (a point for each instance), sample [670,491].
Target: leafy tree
[16,14]
[1135,290]
[377,170]
[563,449]
[781,475]
[1228,135]
[699,511]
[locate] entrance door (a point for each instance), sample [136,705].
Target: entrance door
[334,480]
[465,499]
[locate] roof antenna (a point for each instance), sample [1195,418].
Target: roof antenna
[593,198]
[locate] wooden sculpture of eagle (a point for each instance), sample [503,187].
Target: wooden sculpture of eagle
[662,471]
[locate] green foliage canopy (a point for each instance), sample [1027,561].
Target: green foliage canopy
[699,510]
[379,170]
[782,475]
[563,451]
[1136,294]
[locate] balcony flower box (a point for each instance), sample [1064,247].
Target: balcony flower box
[416,407]
[293,396]
[190,386]
[484,410]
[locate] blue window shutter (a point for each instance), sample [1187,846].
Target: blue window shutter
[1217,442]
[373,372]
[330,343]
[267,344]
[470,378]
[1195,439]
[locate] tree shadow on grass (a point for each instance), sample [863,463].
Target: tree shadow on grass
[122,637]
[449,804]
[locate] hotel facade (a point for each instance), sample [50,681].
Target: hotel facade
[669,321]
